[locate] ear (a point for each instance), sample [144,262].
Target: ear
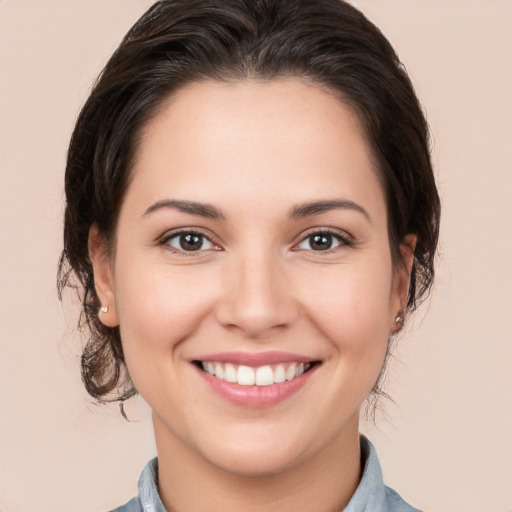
[401,280]
[103,277]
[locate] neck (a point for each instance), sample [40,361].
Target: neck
[325,483]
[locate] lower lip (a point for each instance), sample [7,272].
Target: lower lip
[257,396]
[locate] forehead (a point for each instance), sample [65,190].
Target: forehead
[255,141]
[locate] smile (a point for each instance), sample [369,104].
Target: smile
[261,376]
[256,380]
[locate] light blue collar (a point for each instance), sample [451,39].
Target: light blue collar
[371,495]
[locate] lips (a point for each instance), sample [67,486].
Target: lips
[255,380]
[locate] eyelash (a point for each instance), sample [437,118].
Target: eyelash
[343,238]
[176,234]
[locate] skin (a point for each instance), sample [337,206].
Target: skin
[254,150]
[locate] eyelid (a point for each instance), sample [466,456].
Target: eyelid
[346,240]
[168,235]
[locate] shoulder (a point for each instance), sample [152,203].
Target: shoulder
[134,505]
[148,499]
[372,493]
[396,503]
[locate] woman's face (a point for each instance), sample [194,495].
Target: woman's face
[252,243]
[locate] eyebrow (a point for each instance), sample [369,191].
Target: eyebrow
[191,207]
[319,207]
[297,212]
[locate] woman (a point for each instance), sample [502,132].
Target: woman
[252,214]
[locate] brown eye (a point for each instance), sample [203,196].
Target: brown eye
[189,242]
[322,241]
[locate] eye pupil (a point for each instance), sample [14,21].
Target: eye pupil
[191,241]
[320,242]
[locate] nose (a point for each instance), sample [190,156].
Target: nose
[258,300]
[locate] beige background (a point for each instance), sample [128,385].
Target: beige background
[447,443]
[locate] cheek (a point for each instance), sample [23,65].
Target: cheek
[158,308]
[350,305]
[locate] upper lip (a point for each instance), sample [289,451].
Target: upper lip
[255,359]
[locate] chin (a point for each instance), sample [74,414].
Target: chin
[256,460]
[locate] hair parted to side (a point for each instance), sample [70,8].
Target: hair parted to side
[177,42]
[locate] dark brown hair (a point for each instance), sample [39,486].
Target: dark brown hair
[177,42]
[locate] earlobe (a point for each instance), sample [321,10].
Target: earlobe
[103,278]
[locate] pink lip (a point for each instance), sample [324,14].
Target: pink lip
[255,359]
[256,396]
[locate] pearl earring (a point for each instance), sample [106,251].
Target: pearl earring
[399,318]
[104,309]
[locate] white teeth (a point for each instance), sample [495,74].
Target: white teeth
[209,367]
[229,373]
[290,372]
[245,376]
[279,374]
[264,376]
[219,371]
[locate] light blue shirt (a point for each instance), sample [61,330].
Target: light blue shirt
[372,495]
